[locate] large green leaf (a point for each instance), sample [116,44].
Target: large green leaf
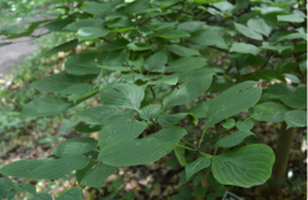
[143,151]
[58,25]
[170,119]
[117,44]
[156,62]
[244,125]
[116,58]
[90,22]
[245,167]
[55,83]
[233,139]
[101,115]
[241,47]
[78,92]
[90,33]
[62,47]
[54,169]
[98,175]
[173,34]
[150,112]
[195,166]
[42,196]
[291,18]
[260,25]
[122,95]
[186,64]
[248,32]
[139,47]
[296,118]
[120,130]
[191,26]
[136,6]
[294,100]
[182,51]
[83,63]
[75,146]
[46,106]
[73,193]
[187,91]
[208,37]
[20,168]
[98,9]
[233,101]
[7,186]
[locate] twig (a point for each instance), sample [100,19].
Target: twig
[216,135]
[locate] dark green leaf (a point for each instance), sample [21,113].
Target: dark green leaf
[233,139]
[180,155]
[83,63]
[90,33]
[42,196]
[73,193]
[248,32]
[99,9]
[117,44]
[6,187]
[186,64]
[174,34]
[136,6]
[208,37]
[150,112]
[170,119]
[90,22]
[296,118]
[294,100]
[63,47]
[241,47]
[182,51]
[195,166]
[156,62]
[116,58]
[58,25]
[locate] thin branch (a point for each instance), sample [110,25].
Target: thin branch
[153,93]
[105,39]
[216,136]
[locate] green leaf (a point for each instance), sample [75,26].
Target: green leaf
[296,118]
[241,47]
[245,167]
[294,100]
[99,9]
[260,25]
[86,128]
[156,62]
[138,62]
[75,146]
[54,169]
[20,168]
[58,25]
[182,51]
[143,151]
[187,91]
[73,193]
[173,34]
[248,32]
[279,48]
[191,26]
[269,111]
[201,109]
[232,101]
[244,125]
[5,43]
[170,80]
[122,95]
[90,33]
[229,123]
[101,115]
[170,119]
[116,58]
[186,64]
[27,188]
[6,187]
[42,196]
[233,139]
[150,112]
[179,154]
[136,6]
[120,130]
[79,91]
[208,37]
[196,166]
[45,106]
[139,46]
[190,75]
[98,175]
[117,44]
[62,47]
[291,18]
[90,22]
[83,63]
[55,83]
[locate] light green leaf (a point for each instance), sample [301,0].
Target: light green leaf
[279,89]
[245,167]
[170,80]
[101,115]
[20,168]
[229,123]
[186,64]
[120,130]
[116,58]
[62,47]
[122,95]
[90,33]
[269,111]
[208,37]
[42,196]
[232,101]
[55,83]
[83,63]
[136,6]
[265,9]
[79,91]
[195,166]
[138,62]
[294,100]
[179,154]
[98,175]
[244,125]
[291,18]
[117,44]
[54,169]
[182,51]
[150,112]
[259,25]
[140,47]
[73,193]
[296,118]
[173,34]
[248,32]
[233,139]
[187,91]
[156,62]
[75,146]
[170,119]
[241,47]
[45,106]
[143,151]
[293,78]
[279,48]
[89,22]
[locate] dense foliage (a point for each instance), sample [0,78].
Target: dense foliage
[154,65]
